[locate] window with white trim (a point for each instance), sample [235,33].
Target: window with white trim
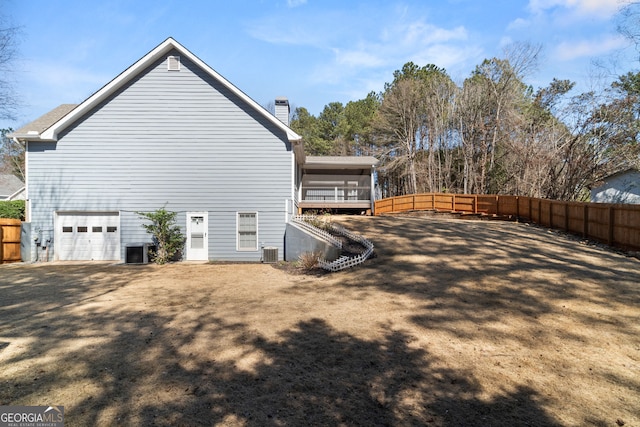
[247,225]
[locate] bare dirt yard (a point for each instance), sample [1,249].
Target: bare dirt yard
[453,323]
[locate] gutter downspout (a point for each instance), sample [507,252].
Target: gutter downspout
[27,209]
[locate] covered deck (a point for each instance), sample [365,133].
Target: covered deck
[337,183]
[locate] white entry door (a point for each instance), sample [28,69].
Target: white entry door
[197,236]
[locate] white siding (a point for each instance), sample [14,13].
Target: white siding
[176,139]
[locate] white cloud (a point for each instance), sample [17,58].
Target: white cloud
[567,51]
[364,45]
[296,3]
[419,32]
[518,24]
[353,51]
[357,58]
[506,41]
[601,8]
[300,29]
[396,44]
[453,58]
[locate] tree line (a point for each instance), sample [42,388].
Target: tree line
[491,134]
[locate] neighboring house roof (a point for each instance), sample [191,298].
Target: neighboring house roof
[51,132]
[604,182]
[340,162]
[42,123]
[18,195]
[622,172]
[9,184]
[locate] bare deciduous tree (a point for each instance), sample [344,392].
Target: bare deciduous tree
[12,156]
[8,52]
[398,125]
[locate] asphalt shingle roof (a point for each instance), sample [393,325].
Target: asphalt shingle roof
[9,184]
[45,121]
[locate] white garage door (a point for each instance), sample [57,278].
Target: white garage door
[87,236]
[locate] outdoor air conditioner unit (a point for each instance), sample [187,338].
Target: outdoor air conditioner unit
[137,253]
[270,255]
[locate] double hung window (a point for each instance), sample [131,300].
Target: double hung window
[247,224]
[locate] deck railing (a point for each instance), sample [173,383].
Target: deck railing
[614,224]
[336,194]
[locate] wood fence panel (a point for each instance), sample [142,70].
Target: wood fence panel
[403,203]
[576,219]
[544,210]
[9,240]
[507,205]
[626,226]
[465,203]
[487,204]
[443,202]
[424,202]
[558,215]
[598,228]
[525,207]
[535,211]
[383,206]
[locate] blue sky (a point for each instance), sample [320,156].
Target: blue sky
[312,51]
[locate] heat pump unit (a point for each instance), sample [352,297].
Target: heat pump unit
[270,255]
[137,253]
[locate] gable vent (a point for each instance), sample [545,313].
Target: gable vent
[173,63]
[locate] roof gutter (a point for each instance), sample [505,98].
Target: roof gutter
[32,135]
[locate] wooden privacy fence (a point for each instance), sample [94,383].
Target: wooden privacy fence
[9,240]
[614,224]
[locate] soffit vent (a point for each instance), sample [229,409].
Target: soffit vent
[173,63]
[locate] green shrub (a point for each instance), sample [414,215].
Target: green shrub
[12,209]
[167,236]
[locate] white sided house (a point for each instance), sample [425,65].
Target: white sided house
[621,187]
[170,132]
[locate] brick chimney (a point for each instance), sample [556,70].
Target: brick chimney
[282,110]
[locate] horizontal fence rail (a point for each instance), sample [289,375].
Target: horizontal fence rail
[616,225]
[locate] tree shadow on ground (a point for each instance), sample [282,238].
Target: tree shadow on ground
[476,271]
[145,370]
[522,299]
[30,290]
[182,361]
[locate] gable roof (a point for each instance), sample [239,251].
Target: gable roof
[51,132]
